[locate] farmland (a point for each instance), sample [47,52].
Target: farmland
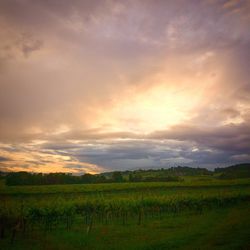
[200,212]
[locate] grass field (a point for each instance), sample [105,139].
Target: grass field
[197,213]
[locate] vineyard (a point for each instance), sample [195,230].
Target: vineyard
[25,211]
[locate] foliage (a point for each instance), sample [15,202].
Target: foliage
[39,209]
[174,174]
[235,171]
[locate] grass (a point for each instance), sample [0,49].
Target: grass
[227,228]
[198,181]
[198,213]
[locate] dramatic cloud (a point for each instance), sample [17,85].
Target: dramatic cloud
[90,86]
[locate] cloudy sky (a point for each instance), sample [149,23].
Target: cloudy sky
[93,86]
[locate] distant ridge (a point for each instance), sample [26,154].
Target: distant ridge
[235,171]
[173,174]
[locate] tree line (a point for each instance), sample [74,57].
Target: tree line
[149,175]
[26,178]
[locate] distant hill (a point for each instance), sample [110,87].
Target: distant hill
[184,171]
[148,175]
[163,174]
[235,171]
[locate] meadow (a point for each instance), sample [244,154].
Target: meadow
[200,212]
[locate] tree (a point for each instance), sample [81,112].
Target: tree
[117,177]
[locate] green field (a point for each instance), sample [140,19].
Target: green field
[201,212]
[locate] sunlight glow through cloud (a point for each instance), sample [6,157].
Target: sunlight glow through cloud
[90,87]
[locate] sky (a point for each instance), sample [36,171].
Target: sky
[102,85]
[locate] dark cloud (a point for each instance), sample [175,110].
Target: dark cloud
[230,112]
[131,154]
[29,45]
[4,159]
[229,138]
